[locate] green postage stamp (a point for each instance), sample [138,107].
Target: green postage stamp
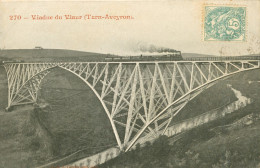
[224,23]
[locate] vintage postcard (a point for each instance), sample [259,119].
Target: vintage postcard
[130,84]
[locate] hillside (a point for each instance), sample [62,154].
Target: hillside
[42,55]
[198,148]
[36,55]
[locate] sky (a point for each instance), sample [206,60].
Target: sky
[176,24]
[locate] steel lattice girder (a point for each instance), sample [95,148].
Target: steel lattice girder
[140,98]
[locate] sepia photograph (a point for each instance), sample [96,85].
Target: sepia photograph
[130,84]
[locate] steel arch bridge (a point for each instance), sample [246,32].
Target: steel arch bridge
[140,97]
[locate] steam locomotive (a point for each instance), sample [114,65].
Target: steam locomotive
[175,56]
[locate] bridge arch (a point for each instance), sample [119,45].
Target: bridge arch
[142,97]
[17,80]
[32,92]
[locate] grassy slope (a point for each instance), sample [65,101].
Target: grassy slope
[75,118]
[246,82]
[198,148]
[207,102]
[11,145]
[245,141]
[3,89]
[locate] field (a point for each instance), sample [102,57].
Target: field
[42,55]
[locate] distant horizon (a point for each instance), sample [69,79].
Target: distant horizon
[137,54]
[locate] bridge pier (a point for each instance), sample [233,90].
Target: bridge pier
[8,109]
[11,107]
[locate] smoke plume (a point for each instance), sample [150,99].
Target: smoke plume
[154,49]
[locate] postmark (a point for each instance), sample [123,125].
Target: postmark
[224,23]
[252,47]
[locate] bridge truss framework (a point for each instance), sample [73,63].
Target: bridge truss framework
[139,98]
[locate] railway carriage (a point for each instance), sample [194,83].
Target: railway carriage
[175,56]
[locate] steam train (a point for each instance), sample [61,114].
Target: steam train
[175,56]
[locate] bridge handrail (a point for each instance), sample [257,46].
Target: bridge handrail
[222,58]
[215,58]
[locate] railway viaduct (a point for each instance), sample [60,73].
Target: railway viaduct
[140,97]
